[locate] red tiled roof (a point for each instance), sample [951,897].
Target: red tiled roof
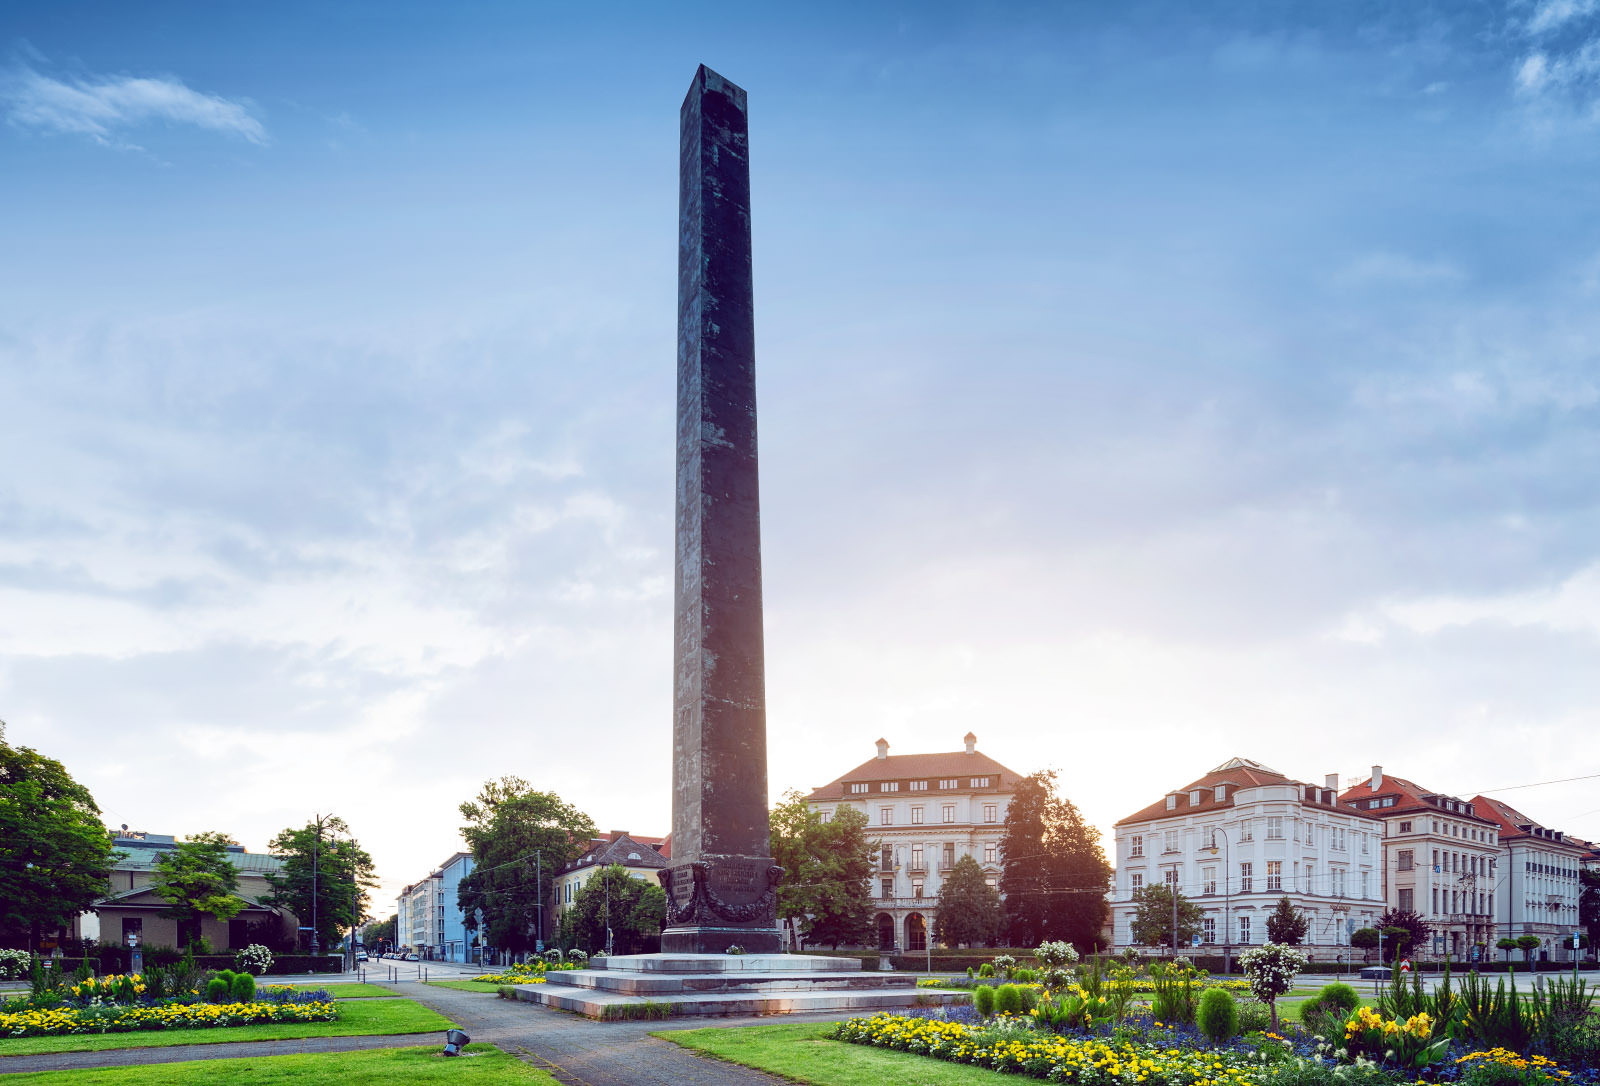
[1236,773]
[1513,821]
[1408,797]
[904,767]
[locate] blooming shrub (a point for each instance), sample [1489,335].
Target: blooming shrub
[58,1021]
[111,988]
[1271,969]
[254,958]
[14,963]
[517,973]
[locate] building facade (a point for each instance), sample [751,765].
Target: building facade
[1540,888]
[929,810]
[428,918]
[1441,860]
[132,908]
[1241,837]
[640,857]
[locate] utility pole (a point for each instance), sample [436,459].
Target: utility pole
[538,888]
[1227,890]
[316,849]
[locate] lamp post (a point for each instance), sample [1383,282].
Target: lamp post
[1227,917]
[315,850]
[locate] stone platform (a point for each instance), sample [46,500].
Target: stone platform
[729,984]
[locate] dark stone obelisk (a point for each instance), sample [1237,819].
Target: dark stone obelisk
[721,887]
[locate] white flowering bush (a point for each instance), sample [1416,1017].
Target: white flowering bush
[14,963]
[1271,969]
[553,956]
[255,959]
[1004,964]
[1056,955]
[577,957]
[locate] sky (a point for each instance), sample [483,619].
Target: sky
[1141,385]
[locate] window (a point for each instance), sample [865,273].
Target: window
[1405,827]
[1171,877]
[889,786]
[1220,793]
[980,782]
[1246,832]
[1311,834]
[859,788]
[1244,929]
[949,855]
[1210,880]
[1402,860]
[1408,900]
[1194,797]
[1136,881]
[886,862]
[1337,834]
[824,816]
[1246,878]
[885,816]
[916,887]
[1170,842]
[1208,929]
[949,812]
[1363,884]
[1366,844]
[918,786]
[1274,874]
[990,854]
[949,782]
[916,815]
[1172,802]
[888,888]
[916,858]
[991,812]
[1274,827]
[1136,846]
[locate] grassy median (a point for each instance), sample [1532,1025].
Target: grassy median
[357,1017]
[801,1052]
[379,1067]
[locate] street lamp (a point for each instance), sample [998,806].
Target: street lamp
[1227,877]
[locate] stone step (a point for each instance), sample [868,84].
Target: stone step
[725,963]
[655,984]
[594,1004]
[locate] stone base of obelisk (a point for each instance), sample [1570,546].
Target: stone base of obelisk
[728,984]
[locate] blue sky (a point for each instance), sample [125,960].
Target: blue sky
[1141,385]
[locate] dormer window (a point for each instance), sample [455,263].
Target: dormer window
[1194,798]
[1220,793]
[1172,801]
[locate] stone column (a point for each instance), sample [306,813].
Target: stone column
[721,887]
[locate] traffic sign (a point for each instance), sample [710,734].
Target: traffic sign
[1405,965]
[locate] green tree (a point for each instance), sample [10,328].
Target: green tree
[519,839]
[1507,944]
[633,909]
[1528,944]
[1152,918]
[380,934]
[197,879]
[1054,872]
[323,854]
[969,908]
[1364,939]
[1589,903]
[1285,924]
[55,856]
[826,865]
[1413,932]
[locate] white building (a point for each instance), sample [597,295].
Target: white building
[1540,888]
[1441,861]
[929,810]
[1241,837]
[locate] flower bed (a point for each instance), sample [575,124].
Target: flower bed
[1011,1045]
[519,973]
[116,1019]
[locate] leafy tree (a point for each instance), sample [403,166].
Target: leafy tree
[1364,938]
[1285,925]
[1528,944]
[969,908]
[826,865]
[632,908]
[381,933]
[519,839]
[55,856]
[1507,944]
[1054,871]
[1152,918]
[1589,903]
[197,879]
[1412,931]
[324,854]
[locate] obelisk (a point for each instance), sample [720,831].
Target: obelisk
[721,887]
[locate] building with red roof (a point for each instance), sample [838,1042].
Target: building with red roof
[1542,884]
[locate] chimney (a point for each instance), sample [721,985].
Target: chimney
[1377,778]
[883,749]
[1331,782]
[971,741]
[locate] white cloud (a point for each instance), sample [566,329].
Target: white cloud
[1554,14]
[100,107]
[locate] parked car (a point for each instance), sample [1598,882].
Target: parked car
[361,955]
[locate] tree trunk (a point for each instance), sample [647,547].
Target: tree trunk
[1272,1005]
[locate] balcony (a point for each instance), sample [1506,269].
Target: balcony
[918,867]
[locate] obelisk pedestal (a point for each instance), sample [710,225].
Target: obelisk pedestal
[721,888]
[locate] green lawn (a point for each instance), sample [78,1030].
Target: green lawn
[478,1064]
[800,1052]
[467,985]
[357,1017]
[348,990]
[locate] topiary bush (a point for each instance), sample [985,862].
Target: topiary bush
[217,989]
[1030,997]
[1008,999]
[983,999]
[1218,1016]
[1340,997]
[243,988]
[986,969]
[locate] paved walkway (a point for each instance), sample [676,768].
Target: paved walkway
[129,1057]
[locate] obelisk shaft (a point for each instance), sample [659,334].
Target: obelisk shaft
[722,880]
